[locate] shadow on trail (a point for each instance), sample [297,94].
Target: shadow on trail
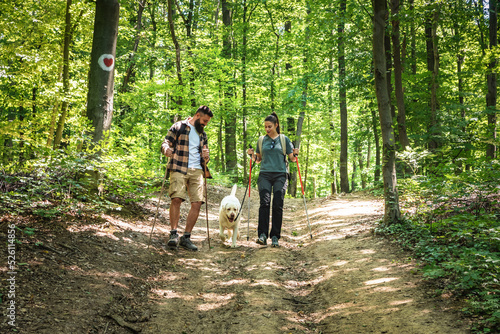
[100,277]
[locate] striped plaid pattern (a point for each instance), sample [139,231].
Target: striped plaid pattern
[177,138]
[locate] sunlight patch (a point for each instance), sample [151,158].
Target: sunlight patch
[170,294]
[367,251]
[400,302]
[234,282]
[264,282]
[380,269]
[381,280]
[107,235]
[385,289]
[340,263]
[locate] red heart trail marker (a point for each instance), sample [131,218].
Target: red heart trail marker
[106,62]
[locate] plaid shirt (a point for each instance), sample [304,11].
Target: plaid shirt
[177,138]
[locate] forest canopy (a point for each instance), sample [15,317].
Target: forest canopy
[406,92]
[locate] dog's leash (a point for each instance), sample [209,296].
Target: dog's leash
[245,194]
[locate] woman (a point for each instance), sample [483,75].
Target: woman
[272,178]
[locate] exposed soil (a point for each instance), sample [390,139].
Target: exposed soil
[96,274]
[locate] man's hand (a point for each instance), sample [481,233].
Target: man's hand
[205,153]
[169,152]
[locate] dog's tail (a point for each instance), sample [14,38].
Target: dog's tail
[233,191]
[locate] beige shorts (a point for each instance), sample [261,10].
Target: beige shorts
[191,183]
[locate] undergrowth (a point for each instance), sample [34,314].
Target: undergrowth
[452,225]
[60,183]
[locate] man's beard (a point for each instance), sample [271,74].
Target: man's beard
[198,126]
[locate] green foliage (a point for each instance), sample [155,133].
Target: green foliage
[453,226]
[54,185]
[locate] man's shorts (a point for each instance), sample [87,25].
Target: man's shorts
[191,183]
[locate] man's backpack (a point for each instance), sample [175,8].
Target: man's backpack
[283,146]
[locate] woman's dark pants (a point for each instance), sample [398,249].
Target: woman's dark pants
[276,184]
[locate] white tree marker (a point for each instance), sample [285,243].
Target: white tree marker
[107,62]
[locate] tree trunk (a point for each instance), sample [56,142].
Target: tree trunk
[244,88]
[344,175]
[151,61]
[376,138]
[392,211]
[433,68]
[491,96]
[332,124]
[230,117]
[398,82]
[413,42]
[292,187]
[353,177]
[65,77]
[272,91]
[177,49]
[129,73]
[361,164]
[305,88]
[246,19]
[388,64]
[102,61]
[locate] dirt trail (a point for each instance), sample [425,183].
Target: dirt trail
[344,280]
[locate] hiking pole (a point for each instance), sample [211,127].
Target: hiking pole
[206,198]
[159,200]
[303,196]
[249,187]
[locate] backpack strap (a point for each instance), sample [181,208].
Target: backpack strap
[259,144]
[283,144]
[282,140]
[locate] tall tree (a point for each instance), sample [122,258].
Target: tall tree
[376,176]
[398,72]
[189,24]
[305,84]
[246,24]
[171,26]
[130,72]
[431,22]
[65,77]
[102,64]
[491,96]
[230,117]
[392,212]
[344,145]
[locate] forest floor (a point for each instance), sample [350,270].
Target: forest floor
[96,274]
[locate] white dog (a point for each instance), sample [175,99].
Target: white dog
[229,218]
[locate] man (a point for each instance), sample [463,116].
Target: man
[186,144]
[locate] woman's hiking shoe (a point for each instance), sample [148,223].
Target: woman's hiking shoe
[173,241]
[186,243]
[262,239]
[274,241]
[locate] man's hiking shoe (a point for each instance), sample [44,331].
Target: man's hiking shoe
[173,241]
[262,239]
[275,241]
[186,243]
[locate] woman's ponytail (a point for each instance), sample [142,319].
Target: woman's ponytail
[273,118]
